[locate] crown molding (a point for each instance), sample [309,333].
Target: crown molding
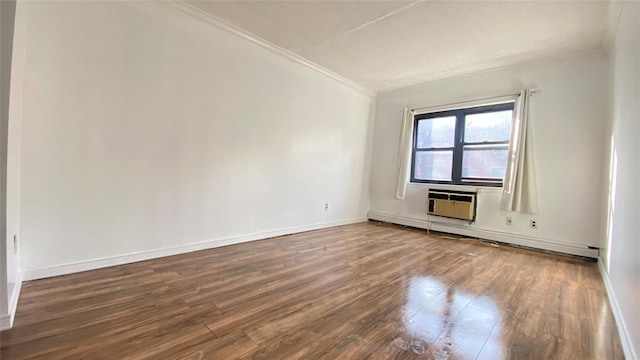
[186,9]
[613,19]
[439,82]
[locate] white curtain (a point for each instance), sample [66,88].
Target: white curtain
[519,191]
[404,153]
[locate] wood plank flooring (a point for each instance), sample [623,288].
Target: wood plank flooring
[363,291]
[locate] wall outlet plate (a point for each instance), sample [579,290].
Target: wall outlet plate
[533,224]
[509,221]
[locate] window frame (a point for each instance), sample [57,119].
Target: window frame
[459,144]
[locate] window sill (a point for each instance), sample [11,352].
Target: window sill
[483,189]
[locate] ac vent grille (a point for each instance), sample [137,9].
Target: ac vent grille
[452,204]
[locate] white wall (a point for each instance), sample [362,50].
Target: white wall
[11,277]
[7,17]
[145,128]
[14,274]
[622,250]
[568,123]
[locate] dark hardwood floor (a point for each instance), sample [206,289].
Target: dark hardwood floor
[367,290]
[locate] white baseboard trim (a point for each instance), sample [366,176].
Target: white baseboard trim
[625,336]
[6,320]
[93,264]
[521,240]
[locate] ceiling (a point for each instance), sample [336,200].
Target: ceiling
[384,45]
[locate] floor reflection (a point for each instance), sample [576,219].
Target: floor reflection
[445,322]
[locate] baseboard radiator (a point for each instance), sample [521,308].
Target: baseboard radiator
[452,204]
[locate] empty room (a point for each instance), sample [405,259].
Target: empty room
[320,179]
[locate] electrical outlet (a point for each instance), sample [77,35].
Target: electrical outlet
[326,206]
[509,221]
[15,243]
[533,224]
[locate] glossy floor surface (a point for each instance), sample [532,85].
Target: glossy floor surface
[368,290]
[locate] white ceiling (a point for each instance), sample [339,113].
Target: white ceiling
[384,45]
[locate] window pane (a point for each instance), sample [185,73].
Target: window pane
[483,163]
[437,132]
[433,165]
[492,126]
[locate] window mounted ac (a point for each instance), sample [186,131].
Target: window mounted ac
[452,204]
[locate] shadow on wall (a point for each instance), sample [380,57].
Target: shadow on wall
[611,198]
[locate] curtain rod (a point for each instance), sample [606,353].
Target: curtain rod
[531,92]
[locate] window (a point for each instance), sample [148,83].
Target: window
[463,146]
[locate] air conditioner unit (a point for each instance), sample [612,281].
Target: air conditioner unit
[452,204]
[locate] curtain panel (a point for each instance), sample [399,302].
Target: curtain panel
[404,153]
[519,192]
